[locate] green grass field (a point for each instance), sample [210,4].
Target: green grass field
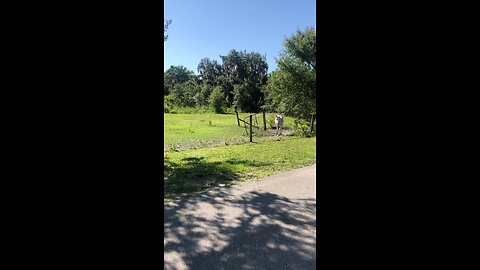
[183,131]
[193,164]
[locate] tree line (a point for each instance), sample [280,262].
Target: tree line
[241,79]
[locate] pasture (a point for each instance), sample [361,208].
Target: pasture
[185,131]
[208,150]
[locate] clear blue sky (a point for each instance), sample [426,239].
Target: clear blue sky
[209,28]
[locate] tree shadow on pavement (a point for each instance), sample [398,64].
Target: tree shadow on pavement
[256,230]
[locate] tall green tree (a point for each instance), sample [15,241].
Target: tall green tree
[248,96]
[217,100]
[242,75]
[184,93]
[291,88]
[209,71]
[166,23]
[176,75]
[303,46]
[202,96]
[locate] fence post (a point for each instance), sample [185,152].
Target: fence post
[238,121]
[264,121]
[311,125]
[251,128]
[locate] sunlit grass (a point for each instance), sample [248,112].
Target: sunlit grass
[193,170]
[182,131]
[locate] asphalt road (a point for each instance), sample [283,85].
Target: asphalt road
[265,224]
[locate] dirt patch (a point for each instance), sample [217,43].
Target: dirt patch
[269,133]
[273,132]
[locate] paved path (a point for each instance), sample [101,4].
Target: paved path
[264,224]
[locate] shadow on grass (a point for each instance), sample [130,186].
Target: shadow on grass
[256,230]
[194,174]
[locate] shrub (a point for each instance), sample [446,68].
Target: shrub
[184,94]
[201,97]
[217,100]
[168,103]
[302,128]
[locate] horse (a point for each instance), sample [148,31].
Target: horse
[279,124]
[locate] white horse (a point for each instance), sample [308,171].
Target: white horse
[279,124]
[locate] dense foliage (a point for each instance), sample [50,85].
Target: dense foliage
[292,87]
[236,81]
[241,80]
[175,76]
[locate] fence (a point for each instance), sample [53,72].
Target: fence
[314,116]
[250,123]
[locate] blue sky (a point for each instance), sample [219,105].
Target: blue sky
[209,28]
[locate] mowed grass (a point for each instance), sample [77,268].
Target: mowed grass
[198,130]
[197,169]
[184,131]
